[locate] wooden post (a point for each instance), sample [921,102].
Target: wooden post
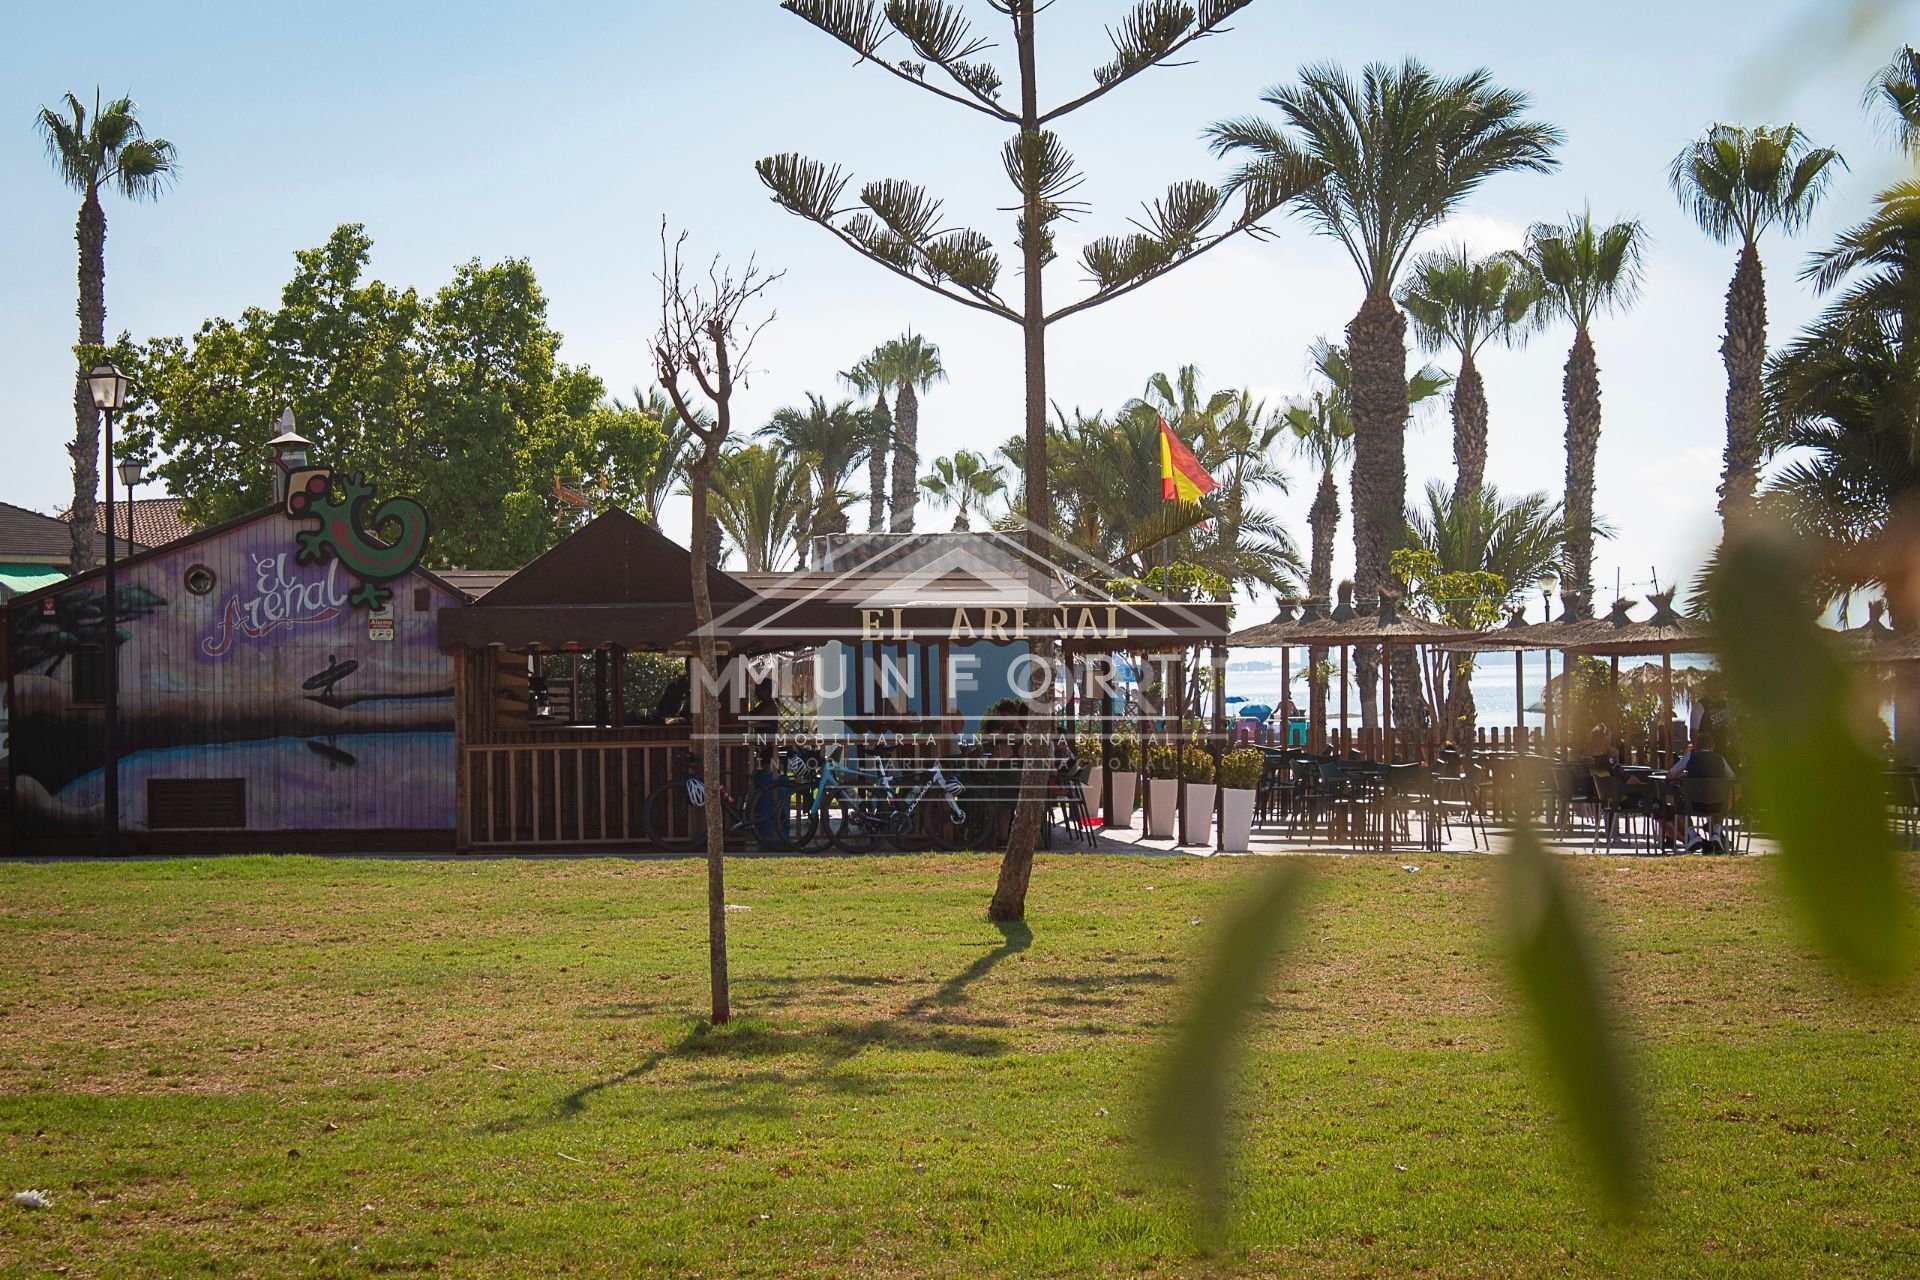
[1346,742]
[1219,655]
[1179,747]
[1286,695]
[1386,699]
[1666,703]
[1520,695]
[1109,670]
[463,697]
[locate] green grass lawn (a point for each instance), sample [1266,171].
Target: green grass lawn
[257,1066]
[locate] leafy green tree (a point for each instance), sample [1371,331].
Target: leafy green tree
[1738,183]
[1585,271]
[907,366]
[108,147]
[901,228]
[828,443]
[758,495]
[1896,92]
[458,399]
[1461,303]
[1395,153]
[964,482]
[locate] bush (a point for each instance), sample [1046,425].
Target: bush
[1161,762]
[1126,753]
[1241,770]
[1086,749]
[1196,763]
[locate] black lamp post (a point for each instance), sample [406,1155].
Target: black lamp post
[109,387]
[132,472]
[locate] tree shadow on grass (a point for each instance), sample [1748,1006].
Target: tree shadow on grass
[917,1027]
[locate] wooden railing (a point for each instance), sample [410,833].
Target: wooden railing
[564,793]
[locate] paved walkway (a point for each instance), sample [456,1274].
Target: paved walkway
[1459,842]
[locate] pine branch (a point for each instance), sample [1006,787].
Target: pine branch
[1148,37]
[863,26]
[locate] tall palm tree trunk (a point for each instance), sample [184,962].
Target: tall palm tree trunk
[877,466]
[906,458]
[1323,518]
[1459,716]
[90,231]
[1580,392]
[1744,350]
[809,522]
[1377,351]
[1469,429]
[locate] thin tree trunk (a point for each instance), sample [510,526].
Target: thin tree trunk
[1469,429]
[906,458]
[712,760]
[1323,518]
[1744,350]
[803,534]
[1377,351]
[877,466]
[90,231]
[1016,866]
[1580,393]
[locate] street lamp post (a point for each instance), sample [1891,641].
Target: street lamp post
[132,472]
[109,387]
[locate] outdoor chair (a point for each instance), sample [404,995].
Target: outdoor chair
[1068,799]
[1707,799]
[1463,798]
[1625,810]
[1903,804]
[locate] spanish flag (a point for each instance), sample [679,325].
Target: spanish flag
[1182,478]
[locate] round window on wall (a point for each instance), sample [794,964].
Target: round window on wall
[200,580]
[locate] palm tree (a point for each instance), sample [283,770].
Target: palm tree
[108,148]
[827,442]
[756,500]
[1584,271]
[1518,542]
[906,366]
[677,448]
[1322,427]
[1397,153]
[965,482]
[1737,183]
[1459,302]
[875,443]
[1896,91]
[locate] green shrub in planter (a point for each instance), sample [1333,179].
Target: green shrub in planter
[1196,764]
[1241,770]
[1126,753]
[1086,749]
[1161,762]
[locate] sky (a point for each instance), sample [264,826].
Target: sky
[564,133]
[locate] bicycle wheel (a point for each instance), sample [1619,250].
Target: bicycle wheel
[851,820]
[676,815]
[942,828]
[781,817]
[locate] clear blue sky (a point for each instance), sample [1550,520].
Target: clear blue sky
[563,133]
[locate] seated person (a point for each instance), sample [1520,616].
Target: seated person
[1601,754]
[1702,761]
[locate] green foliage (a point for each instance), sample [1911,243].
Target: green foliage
[1241,769]
[1126,752]
[1465,598]
[1189,1121]
[757,495]
[1583,269]
[1812,767]
[457,399]
[1179,580]
[108,147]
[1086,749]
[1737,181]
[1458,301]
[1196,763]
[1163,761]
[1558,978]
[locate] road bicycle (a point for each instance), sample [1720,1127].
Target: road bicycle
[860,810]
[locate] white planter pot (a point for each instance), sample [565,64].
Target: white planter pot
[1090,792]
[1125,787]
[1162,794]
[1196,823]
[1236,819]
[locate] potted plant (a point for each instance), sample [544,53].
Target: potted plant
[1163,790]
[1126,779]
[1239,779]
[1196,817]
[1086,749]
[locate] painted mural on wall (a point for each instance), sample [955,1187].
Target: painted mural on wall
[344,535]
[238,659]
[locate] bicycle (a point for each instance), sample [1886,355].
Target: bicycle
[925,812]
[771,815]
